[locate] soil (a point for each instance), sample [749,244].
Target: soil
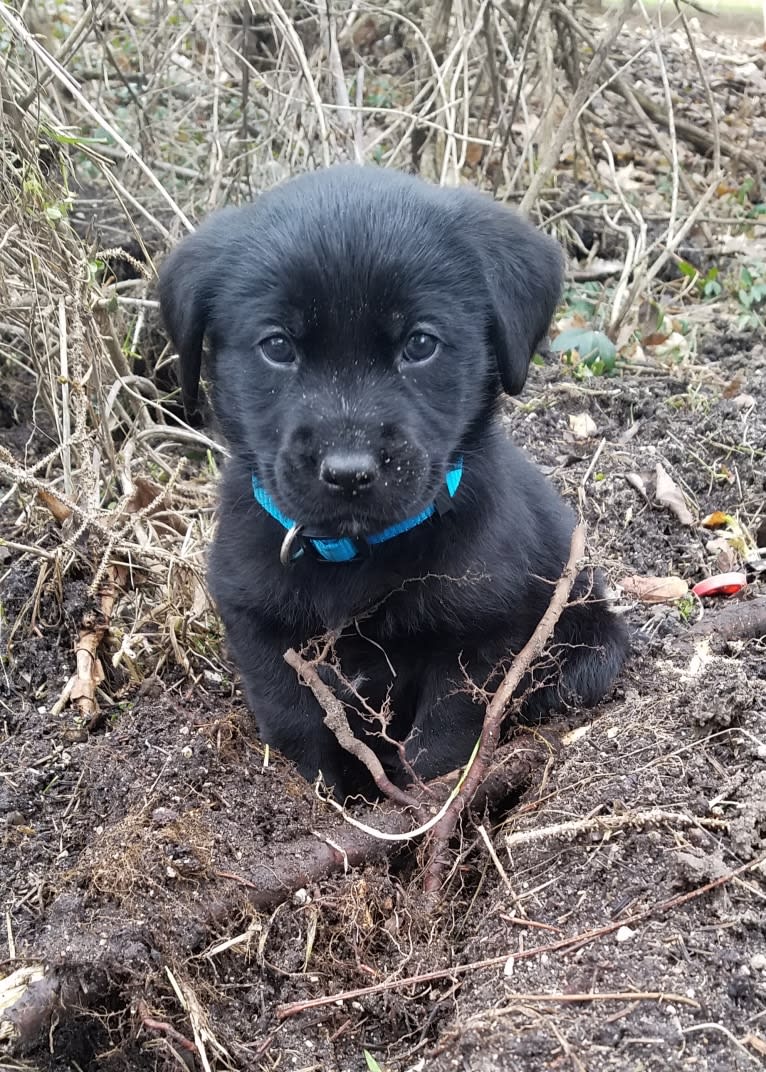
[126,853]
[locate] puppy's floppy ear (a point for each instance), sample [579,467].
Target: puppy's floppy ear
[523,274]
[187,283]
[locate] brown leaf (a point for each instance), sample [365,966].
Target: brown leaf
[669,494]
[473,153]
[147,492]
[656,338]
[655,589]
[758,1044]
[717,520]
[152,498]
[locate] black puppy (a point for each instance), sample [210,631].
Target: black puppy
[361,325]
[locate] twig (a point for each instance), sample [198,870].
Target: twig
[493,719]
[671,239]
[495,858]
[596,996]
[608,823]
[28,549]
[17,27]
[277,874]
[712,1026]
[336,721]
[579,99]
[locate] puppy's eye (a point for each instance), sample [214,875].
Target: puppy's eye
[419,347]
[278,349]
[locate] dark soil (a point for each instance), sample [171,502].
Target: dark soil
[125,856]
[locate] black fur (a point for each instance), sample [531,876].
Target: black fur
[347,263]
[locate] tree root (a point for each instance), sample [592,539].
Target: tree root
[342,846]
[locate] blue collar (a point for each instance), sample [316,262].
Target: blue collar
[347,549]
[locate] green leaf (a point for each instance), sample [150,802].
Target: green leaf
[571,339]
[687,269]
[712,289]
[372,1064]
[596,349]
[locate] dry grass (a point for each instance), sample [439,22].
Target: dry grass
[124,123]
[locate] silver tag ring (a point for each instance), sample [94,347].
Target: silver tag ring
[287,544]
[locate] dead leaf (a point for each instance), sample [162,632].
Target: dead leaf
[756,1042]
[147,493]
[675,346]
[725,555]
[473,153]
[150,499]
[582,425]
[669,494]
[655,589]
[637,481]
[657,338]
[717,520]
[365,33]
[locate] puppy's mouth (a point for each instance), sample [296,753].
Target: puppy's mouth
[358,521]
[355,525]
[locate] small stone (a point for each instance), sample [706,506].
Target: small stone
[744,401]
[301,897]
[758,962]
[624,934]
[187,752]
[15,818]
[508,967]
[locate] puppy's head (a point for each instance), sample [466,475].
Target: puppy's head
[360,324]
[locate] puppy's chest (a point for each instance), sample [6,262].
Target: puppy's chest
[379,671]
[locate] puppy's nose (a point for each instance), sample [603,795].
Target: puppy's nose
[348,471]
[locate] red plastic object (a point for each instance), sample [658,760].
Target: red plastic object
[723,584]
